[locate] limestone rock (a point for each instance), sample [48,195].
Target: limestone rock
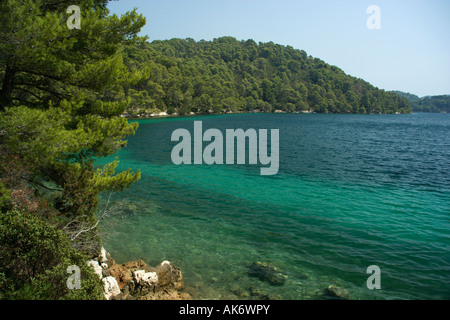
[138,281]
[145,278]
[168,274]
[124,272]
[105,259]
[111,288]
[102,256]
[97,268]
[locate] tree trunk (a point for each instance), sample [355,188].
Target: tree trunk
[7,88]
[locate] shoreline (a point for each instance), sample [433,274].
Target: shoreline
[136,280]
[175,115]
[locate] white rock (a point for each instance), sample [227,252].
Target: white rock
[103,255]
[165,262]
[111,287]
[97,268]
[146,278]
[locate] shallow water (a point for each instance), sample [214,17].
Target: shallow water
[351,191]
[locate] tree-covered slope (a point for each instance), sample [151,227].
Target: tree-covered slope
[409,96]
[227,75]
[427,104]
[433,104]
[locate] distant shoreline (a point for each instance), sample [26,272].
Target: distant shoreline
[159,116]
[192,114]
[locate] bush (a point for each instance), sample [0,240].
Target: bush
[34,257]
[5,198]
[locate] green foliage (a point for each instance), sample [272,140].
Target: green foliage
[61,94]
[42,60]
[433,104]
[56,144]
[34,257]
[229,75]
[409,96]
[5,198]
[427,104]
[42,136]
[61,100]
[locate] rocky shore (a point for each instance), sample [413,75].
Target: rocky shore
[135,280]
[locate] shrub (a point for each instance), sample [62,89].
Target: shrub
[5,198]
[34,257]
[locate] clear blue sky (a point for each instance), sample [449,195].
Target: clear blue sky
[411,51]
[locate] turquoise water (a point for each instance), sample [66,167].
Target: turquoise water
[352,191]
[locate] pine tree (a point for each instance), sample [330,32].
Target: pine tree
[61,97]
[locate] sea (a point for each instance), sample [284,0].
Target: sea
[351,192]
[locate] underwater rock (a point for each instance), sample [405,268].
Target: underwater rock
[334,292]
[239,292]
[258,294]
[266,272]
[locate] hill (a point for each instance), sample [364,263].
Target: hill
[409,96]
[227,75]
[436,104]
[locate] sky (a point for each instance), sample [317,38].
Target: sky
[410,51]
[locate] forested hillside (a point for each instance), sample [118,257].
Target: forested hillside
[227,75]
[427,104]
